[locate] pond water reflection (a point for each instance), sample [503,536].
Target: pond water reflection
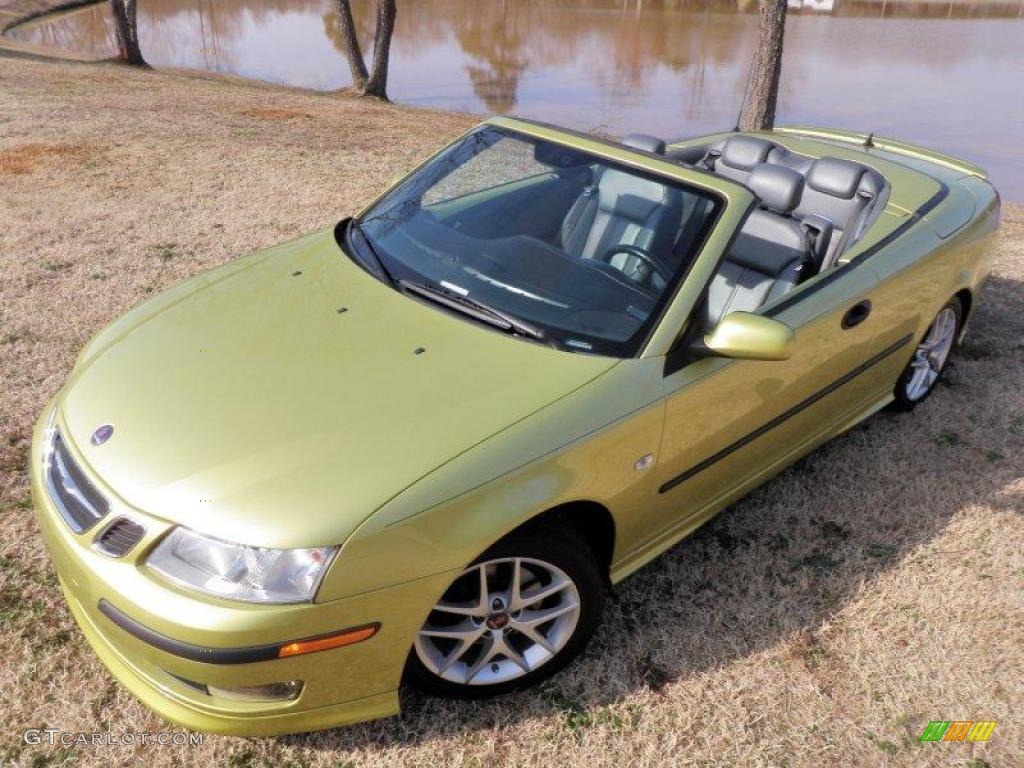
[945,74]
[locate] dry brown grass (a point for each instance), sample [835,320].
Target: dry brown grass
[275,113]
[26,158]
[822,621]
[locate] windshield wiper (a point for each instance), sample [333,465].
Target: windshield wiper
[373,252]
[475,309]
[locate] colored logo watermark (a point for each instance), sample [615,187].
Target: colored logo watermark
[958,730]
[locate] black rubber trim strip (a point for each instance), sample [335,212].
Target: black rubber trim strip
[863,256]
[670,484]
[199,652]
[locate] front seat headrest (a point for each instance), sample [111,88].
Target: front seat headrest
[777,186]
[647,143]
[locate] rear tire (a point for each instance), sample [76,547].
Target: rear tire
[923,372]
[475,644]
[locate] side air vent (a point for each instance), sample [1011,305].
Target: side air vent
[117,539]
[77,499]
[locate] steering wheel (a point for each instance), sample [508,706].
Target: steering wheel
[618,277]
[641,253]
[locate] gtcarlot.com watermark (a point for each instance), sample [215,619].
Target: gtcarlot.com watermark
[59,738]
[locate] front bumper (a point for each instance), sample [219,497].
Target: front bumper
[342,685]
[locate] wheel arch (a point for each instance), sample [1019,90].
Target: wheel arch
[592,520]
[966,298]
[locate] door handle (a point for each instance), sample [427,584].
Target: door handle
[856,314]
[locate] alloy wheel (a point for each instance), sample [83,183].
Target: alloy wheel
[500,620]
[931,355]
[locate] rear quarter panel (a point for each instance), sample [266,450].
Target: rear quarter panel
[941,253]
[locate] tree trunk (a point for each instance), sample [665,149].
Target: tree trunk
[347,27]
[375,82]
[759,111]
[127,33]
[378,83]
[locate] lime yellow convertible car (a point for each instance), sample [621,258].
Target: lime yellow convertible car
[417,448]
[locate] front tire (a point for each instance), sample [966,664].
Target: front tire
[516,616]
[919,378]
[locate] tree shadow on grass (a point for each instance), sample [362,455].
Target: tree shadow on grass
[787,558]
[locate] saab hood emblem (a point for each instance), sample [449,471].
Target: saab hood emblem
[102,434]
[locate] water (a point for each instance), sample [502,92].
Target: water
[949,75]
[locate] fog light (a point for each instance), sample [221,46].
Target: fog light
[269,692]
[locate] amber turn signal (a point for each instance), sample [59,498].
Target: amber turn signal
[347,637]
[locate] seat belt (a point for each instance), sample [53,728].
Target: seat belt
[816,247]
[710,157]
[853,232]
[576,212]
[691,225]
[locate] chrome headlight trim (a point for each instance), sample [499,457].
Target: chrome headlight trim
[240,572]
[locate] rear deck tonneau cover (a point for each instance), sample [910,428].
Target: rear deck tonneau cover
[899,151]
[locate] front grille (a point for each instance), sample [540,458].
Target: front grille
[119,537]
[77,499]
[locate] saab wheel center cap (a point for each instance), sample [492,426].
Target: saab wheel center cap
[499,616]
[497,620]
[102,434]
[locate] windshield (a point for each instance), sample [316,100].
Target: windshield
[581,252]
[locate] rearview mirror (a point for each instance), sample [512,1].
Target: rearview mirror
[559,157]
[746,336]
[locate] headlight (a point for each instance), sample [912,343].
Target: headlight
[238,572]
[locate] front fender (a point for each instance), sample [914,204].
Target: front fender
[584,447]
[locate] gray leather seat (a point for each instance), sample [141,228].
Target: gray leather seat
[621,208]
[840,199]
[738,155]
[769,252]
[843,193]
[644,141]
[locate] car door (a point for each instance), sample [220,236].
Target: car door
[730,424]
[916,277]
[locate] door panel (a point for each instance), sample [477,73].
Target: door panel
[728,420]
[913,286]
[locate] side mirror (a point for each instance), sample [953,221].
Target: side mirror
[746,336]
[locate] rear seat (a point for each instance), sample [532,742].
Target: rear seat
[836,205]
[842,193]
[736,157]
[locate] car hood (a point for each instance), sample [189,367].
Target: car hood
[282,400]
